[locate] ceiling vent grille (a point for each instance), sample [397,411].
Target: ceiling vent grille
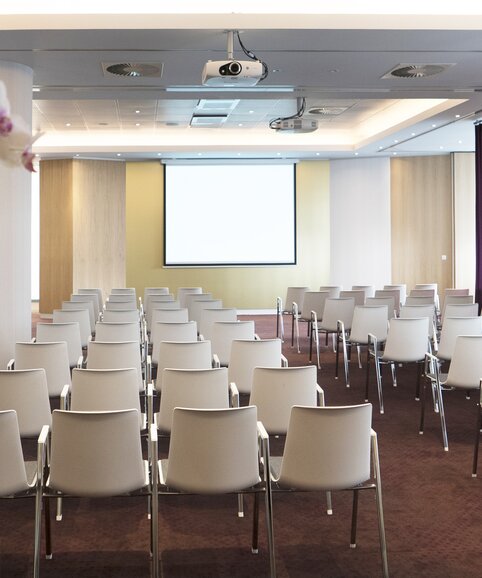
[327,111]
[133,69]
[203,120]
[416,70]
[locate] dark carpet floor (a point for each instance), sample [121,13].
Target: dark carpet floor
[432,510]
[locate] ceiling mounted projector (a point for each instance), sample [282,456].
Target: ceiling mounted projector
[232,73]
[294,125]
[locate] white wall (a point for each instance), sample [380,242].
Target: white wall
[360,217]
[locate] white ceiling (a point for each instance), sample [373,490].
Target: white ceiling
[81,110]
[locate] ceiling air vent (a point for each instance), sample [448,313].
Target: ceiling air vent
[133,69]
[416,70]
[208,120]
[327,111]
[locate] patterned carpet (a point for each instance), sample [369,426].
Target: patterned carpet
[432,509]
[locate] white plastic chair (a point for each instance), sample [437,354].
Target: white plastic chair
[333,290]
[74,305]
[395,292]
[293,295]
[451,329]
[81,316]
[180,315]
[328,449]
[224,332]
[428,310]
[407,342]
[313,302]
[337,314]
[198,305]
[389,302]
[68,332]
[96,455]
[82,297]
[53,357]
[97,291]
[357,294]
[210,316]
[183,291]
[459,303]
[368,289]
[464,373]
[172,331]
[220,451]
[248,354]
[401,288]
[121,316]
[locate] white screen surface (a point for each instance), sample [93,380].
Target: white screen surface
[228,214]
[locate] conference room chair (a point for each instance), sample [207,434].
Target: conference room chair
[357,294]
[52,356]
[418,299]
[170,316]
[97,455]
[449,291]
[407,342]
[337,317]
[220,451]
[451,329]
[75,305]
[313,303]
[118,355]
[183,291]
[183,355]
[169,331]
[395,293]
[431,287]
[120,304]
[247,354]
[128,291]
[160,305]
[293,295]
[155,291]
[68,332]
[333,290]
[330,449]
[368,289]
[82,297]
[153,298]
[80,316]
[191,297]
[97,291]
[210,316]
[389,302]
[198,305]
[121,316]
[19,479]
[223,333]
[366,320]
[428,310]
[401,288]
[118,297]
[451,300]
[464,373]
[117,331]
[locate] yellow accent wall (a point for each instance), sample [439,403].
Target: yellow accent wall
[241,287]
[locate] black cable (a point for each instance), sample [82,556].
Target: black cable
[252,56]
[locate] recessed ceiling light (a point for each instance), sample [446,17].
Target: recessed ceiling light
[239,154]
[138,111]
[77,155]
[356,154]
[441,147]
[119,154]
[138,124]
[36,89]
[159,154]
[413,133]
[278,154]
[317,154]
[434,125]
[395,140]
[394,153]
[380,148]
[457,116]
[199,154]
[460,142]
[251,111]
[67,124]
[240,124]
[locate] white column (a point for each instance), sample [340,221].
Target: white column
[15,206]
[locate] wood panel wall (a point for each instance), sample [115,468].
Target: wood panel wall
[56,233]
[99,221]
[421,221]
[82,228]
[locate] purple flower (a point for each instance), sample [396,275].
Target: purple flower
[6,125]
[27,160]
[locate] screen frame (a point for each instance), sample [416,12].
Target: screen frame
[230,264]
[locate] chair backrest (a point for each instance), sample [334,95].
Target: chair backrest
[161,305]
[26,391]
[197,306]
[407,339]
[195,388]
[183,291]
[183,355]
[402,288]
[277,389]
[152,299]
[213,450]
[357,294]
[210,316]
[456,300]
[74,305]
[314,301]
[115,355]
[248,354]
[81,316]
[338,309]
[123,291]
[368,319]
[191,297]
[97,291]
[327,448]
[96,454]
[465,368]
[395,293]
[105,390]
[224,332]
[451,329]
[420,311]
[164,331]
[368,289]
[117,331]
[68,332]
[414,300]
[155,291]
[451,291]
[13,476]
[82,297]
[180,315]
[333,290]
[122,297]
[294,295]
[379,302]
[122,304]
[430,293]
[53,357]
[460,310]
[121,316]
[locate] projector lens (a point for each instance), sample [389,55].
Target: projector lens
[234,68]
